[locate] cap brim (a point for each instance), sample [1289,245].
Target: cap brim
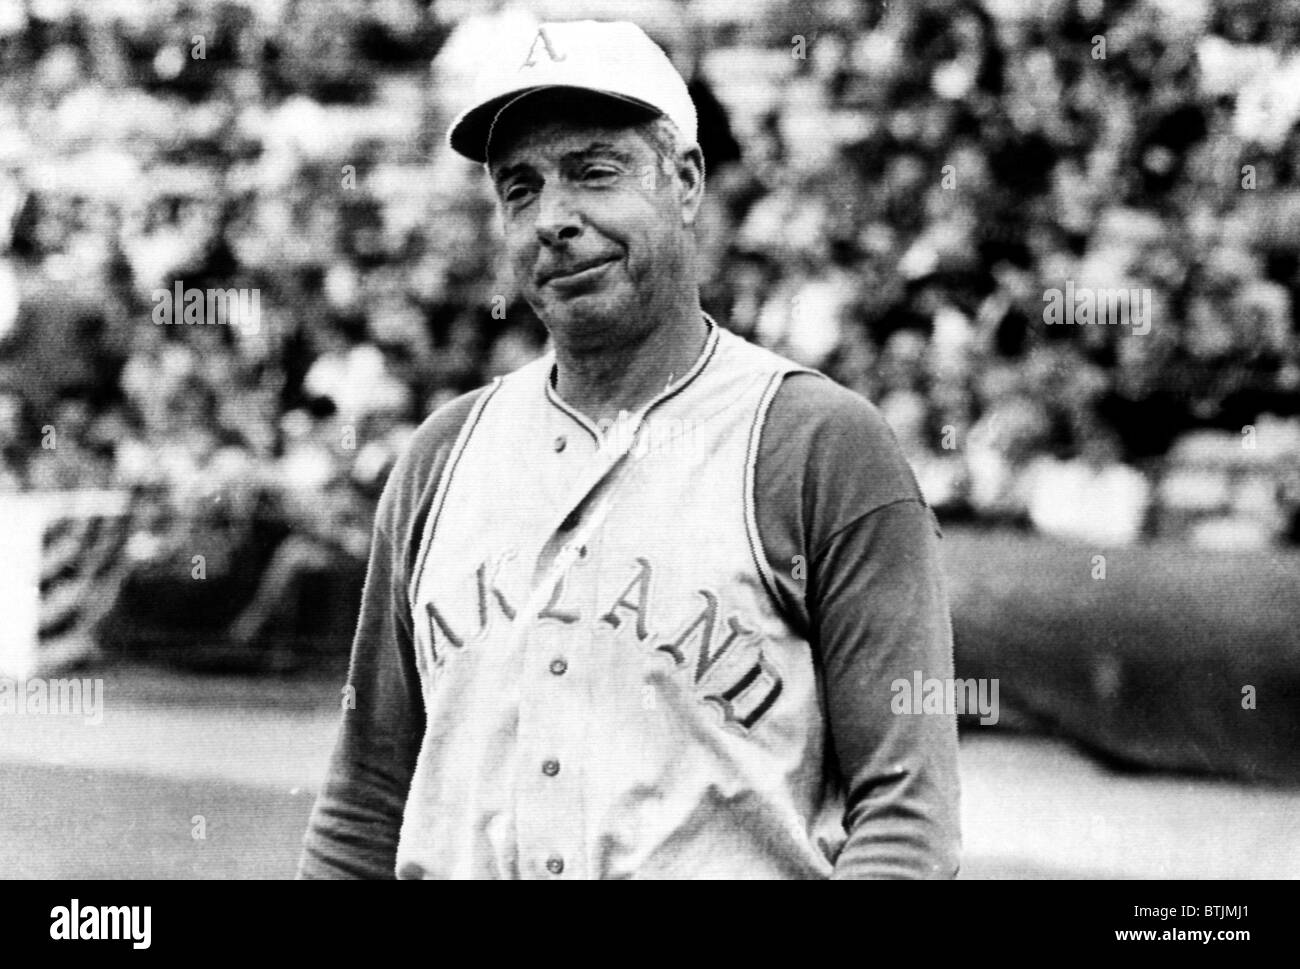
[470,132]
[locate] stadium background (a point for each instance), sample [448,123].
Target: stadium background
[892,188]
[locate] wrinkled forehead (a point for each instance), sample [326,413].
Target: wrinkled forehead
[550,124]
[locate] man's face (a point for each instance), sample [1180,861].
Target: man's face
[597,234]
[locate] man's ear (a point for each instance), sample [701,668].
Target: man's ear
[690,172]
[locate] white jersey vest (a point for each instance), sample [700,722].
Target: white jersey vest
[610,688]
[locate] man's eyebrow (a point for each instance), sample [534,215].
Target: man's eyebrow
[603,149]
[508,172]
[597,149]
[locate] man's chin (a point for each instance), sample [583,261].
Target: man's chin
[599,312]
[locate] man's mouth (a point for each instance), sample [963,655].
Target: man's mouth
[577,273]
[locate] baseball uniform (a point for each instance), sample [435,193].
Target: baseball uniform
[663,649]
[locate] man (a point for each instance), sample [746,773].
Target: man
[635,609]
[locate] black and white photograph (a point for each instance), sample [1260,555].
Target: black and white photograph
[659,439]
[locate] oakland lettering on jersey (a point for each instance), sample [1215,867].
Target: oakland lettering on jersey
[697,646]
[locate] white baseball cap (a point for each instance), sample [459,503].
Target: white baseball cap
[612,58]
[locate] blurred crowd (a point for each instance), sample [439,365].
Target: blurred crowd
[893,186]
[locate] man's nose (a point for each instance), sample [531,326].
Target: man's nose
[558,221]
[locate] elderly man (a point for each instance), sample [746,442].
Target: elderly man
[635,609]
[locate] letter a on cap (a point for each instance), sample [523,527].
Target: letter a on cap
[546,42]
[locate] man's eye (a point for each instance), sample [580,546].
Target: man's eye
[598,173]
[517,193]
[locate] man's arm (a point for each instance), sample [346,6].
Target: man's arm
[834,488]
[882,616]
[357,819]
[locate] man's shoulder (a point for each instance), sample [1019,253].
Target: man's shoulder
[437,433]
[814,401]
[828,413]
[845,453]
[419,466]
[439,430]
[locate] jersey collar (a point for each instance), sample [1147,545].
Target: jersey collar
[670,391]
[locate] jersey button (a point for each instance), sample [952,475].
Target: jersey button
[561,443]
[550,768]
[559,666]
[555,864]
